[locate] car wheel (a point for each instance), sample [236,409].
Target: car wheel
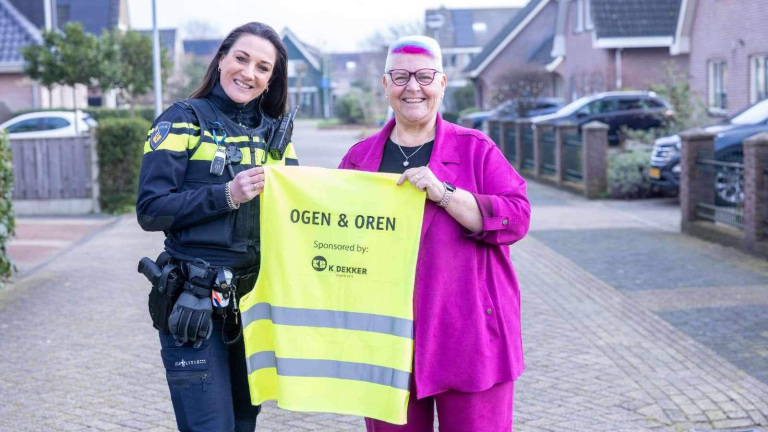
[729,184]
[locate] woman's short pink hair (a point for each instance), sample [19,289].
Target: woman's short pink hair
[416,45]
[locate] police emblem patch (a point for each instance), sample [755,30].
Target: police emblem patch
[159,133]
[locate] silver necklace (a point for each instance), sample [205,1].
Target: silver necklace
[397,142]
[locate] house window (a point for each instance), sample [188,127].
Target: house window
[718,74]
[589,23]
[574,84]
[296,68]
[578,17]
[479,27]
[759,78]
[62,15]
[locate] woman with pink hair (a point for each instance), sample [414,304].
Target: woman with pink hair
[468,346]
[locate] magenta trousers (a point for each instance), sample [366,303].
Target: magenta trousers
[486,411]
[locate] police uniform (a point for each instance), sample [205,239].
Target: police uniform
[180,196]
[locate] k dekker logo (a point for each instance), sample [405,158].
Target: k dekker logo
[319,263]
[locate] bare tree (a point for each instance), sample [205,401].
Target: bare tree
[522,86]
[382,39]
[197,28]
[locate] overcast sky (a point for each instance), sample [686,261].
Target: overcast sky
[333,25]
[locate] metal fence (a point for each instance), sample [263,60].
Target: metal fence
[572,154]
[510,141]
[547,148]
[52,168]
[765,224]
[494,131]
[728,206]
[527,141]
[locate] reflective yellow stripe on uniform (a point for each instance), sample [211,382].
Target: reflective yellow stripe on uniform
[335,333]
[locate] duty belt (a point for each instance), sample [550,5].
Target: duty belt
[231,287]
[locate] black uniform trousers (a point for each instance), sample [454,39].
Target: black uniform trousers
[209,384]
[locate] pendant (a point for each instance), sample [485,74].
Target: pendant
[405,163]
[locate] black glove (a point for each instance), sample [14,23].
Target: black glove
[190,319]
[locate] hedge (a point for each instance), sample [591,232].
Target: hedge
[628,174]
[7,218]
[120,145]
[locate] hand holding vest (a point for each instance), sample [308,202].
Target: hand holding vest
[329,325]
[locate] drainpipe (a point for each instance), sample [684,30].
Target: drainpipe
[618,68]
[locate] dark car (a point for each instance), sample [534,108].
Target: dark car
[730,134]
[633,109]
[510,110]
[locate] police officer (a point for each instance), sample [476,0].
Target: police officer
[201,170]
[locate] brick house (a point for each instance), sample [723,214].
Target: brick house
[524,44]
[305,74]
[603,45]
[21,23]
[16,91]
[462,33]
[727,44]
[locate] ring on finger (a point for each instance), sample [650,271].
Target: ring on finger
[254,186]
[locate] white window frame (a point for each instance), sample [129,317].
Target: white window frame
[758,81]
[717,75]
[578,25]
[589,22]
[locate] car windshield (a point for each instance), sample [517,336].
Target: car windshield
[757,113]
[575,105]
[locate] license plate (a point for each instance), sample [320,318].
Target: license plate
[655,173]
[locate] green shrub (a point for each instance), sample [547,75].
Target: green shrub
[7,219]
[349,109]
[628,174]
[450,116]
[464,97]
[469,110]
[120,145]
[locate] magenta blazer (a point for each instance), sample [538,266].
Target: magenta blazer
[466,299]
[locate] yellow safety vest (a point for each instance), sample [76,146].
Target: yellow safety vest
[329,325]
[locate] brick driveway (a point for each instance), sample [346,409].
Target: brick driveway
[609,347]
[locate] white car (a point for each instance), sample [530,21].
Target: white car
[49,124]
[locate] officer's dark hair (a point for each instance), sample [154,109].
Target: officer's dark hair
[276,98]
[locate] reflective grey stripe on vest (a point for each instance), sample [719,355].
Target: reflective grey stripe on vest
[330,369]
[330,319]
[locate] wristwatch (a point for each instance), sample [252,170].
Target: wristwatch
[447,195]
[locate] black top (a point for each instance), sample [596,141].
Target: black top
[392,161]
[179,195]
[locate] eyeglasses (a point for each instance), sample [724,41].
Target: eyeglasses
[401,77]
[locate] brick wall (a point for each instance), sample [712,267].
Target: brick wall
[15,92]
[730,30]
[643,67]
[515,55]
[585,70]
[589,70]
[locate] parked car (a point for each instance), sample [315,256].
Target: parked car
[729,138]
[633,109]
[509,110]
[48,124]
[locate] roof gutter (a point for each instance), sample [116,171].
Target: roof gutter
[510,37]
[15,67]
[634,42]
[554,63]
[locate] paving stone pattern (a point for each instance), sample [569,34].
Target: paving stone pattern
[739,334]
[77,351]
[643,259]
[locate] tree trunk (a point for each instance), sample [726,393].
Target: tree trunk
[74,107]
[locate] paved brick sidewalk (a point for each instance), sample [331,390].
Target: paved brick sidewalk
[77,351]
[40,239]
